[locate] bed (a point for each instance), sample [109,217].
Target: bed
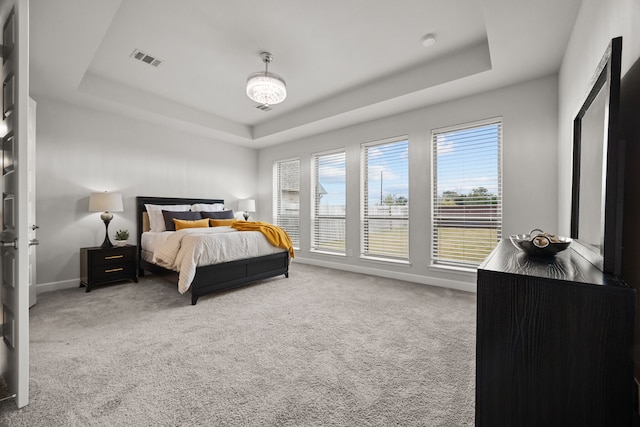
[210,278]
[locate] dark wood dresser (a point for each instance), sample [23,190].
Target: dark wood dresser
[554,342]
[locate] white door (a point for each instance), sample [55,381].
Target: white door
[31,202]
[14,237]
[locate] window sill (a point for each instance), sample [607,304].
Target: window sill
[338,254]
[451,268]
[402,262]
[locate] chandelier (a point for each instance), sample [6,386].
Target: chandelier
[265,87]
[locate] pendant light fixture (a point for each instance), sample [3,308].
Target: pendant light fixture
[265,87]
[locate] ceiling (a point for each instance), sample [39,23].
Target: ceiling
[344,61]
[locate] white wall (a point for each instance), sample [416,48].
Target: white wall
[597,23]
[80,151]
[530,114]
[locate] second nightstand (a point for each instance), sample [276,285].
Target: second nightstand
[105,265]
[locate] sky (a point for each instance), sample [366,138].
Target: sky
[388,163]
[466,159]
[332,177]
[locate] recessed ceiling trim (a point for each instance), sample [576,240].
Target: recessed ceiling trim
[144,102]
[467,62]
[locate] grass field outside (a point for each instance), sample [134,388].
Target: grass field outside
[329,234]
[389,243]
[332,246]
[457,244]
[469,245]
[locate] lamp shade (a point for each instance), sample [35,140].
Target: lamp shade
[105,202]
[247,205]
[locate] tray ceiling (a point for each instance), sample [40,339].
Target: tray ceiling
[344,62]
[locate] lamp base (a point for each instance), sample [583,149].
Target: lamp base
[246,216]
[107,243]
[106,217]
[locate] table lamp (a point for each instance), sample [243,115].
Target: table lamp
[246,206]
[106,203]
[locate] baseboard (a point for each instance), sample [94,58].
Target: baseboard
[432,281]
[56,286]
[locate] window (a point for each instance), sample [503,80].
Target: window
[467,193]
[328,208]
[286,198]
[385,199]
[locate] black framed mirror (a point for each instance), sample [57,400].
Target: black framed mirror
[596,199]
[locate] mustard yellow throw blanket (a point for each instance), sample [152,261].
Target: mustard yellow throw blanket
[274,234]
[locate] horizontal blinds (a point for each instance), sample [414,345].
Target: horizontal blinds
[467,193]
[385,199]
[286,195]
[329,202]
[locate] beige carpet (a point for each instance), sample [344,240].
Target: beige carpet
[321,348]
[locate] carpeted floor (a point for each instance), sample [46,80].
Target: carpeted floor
[321,348]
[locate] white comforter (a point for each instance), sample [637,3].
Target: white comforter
[189,248]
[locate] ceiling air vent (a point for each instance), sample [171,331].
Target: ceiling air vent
[146,58]
[263,107]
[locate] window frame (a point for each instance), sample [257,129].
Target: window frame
[277,202]
[464,265]
[364,198]
[314,247]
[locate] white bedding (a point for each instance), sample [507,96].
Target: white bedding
[186,249]
[152,240]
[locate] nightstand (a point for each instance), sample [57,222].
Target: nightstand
[106,265]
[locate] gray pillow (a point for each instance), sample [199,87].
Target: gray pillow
[218,214]
[169,216]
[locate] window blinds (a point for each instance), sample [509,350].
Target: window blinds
[286,198]
[329,202]
[467,193]
[385,199]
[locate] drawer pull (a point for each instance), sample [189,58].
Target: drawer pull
[113,270]
[114,257]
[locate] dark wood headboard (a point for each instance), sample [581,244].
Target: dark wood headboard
[143,200]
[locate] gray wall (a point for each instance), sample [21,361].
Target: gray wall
[530,114]
[80,151]
[598,22]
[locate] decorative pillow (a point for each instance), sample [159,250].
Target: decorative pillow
[156,220]
[183,223]
[169,216]
[207,207]
[218,215]
[221,222]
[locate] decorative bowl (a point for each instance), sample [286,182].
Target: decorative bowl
[539,243]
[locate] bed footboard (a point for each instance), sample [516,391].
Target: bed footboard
[228,275]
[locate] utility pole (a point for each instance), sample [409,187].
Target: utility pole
[381,172]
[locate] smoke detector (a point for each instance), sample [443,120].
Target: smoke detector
[429,40]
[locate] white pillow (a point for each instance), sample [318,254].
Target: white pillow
[156,220]
[207,207]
